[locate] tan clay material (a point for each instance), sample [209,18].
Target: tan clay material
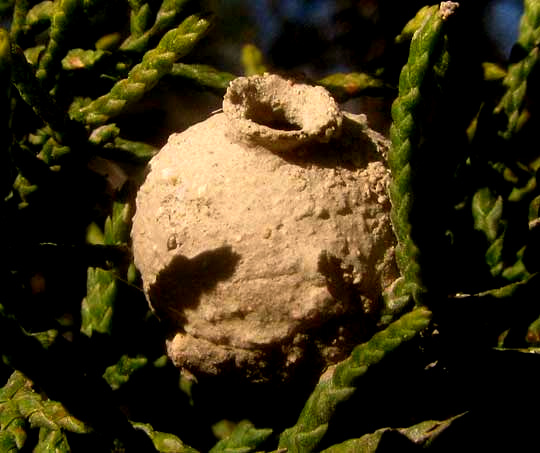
[263,235]
[279,114]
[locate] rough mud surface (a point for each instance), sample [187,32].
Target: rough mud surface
[258,258]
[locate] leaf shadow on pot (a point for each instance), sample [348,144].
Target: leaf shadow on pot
[182,282]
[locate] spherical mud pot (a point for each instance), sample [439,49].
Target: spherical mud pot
[263,235]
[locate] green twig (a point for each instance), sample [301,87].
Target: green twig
[340,383]
[128,150]
[31,91]
[164,442]
[77,59]
[165,19]
[18,23]
[414,24]
[423,435]
[118,374]
[139,19]
[516,79]
[143,77]
[59,373]
[346,86]
[403,158]
[203,75]
[6,167]
[253,60]
[529,28]
[12,424]
[40,15]
[245,438]
[110,146]
[102,284]
[62,24]
[500,208]
[512,102]
[19,402]
[487,211]
[98,305]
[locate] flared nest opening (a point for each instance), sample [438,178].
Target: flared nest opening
[279,113]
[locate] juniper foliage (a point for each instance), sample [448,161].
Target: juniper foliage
[457,334]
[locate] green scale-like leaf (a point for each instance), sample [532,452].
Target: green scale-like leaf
[203,75]
[97,306]
[82,59]
[18,403]
[253,60]
[414,24]
[63,17]
[339,383]
[52,441]
[102,284]
[164,442]
[114,147]
[143,77]
[117,226]
[487,213]
[501,210]
[18,23]
[129,150]
[12,423]
[40,14]
[140,17]
[30,88]
[423,434]
[346,86]
[403,159]
[118,374]
[513,101]
[6,172]
[245,438]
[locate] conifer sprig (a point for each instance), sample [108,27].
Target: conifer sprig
[204,76]
[141,35]
[143,77]
[62,22]
[518,73]
[6,176]
[32,92]
[339,384]
[405,134]
[244,438]
[19,403]
[529,29]
[18,23]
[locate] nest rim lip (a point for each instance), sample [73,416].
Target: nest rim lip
[280,113]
